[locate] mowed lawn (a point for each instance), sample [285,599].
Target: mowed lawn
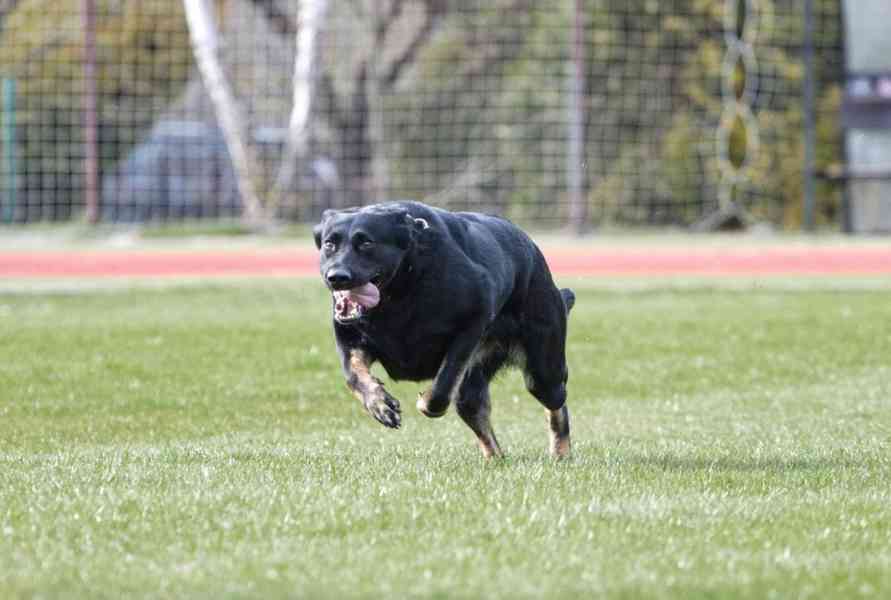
[199,442]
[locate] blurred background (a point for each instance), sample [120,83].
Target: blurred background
[571,115]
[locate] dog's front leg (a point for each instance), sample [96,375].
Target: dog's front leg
[435,401]
[369,389]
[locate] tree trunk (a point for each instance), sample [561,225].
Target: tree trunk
[205,44]
[311,15]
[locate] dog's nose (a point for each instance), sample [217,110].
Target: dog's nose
[338,277]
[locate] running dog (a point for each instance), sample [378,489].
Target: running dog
[447,296]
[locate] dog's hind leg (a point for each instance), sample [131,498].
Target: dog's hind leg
[473,407]
[553,396]
[551,393]
[546,375]
[546,380]
[558,424]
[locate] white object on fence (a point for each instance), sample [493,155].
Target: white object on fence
[737,106]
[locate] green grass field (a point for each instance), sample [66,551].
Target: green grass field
[198,441]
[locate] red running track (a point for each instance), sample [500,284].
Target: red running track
[852,261]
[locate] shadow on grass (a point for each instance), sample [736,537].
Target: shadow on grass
[766,464]
[587,456]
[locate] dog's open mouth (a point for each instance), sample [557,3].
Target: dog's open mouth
[352,304]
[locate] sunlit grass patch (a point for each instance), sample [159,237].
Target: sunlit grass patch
[199,441]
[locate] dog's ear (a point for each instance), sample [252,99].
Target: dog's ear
[411,228]
[317,230]
[416,225]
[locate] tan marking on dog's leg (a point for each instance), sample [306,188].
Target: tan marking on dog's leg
[481,425]
[558,424]
[366,382]
[489,445]
[370,391]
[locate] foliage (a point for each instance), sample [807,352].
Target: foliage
[772,173]
[476,115]
[654,104]
[143,62]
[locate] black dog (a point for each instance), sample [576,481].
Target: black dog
[446,296]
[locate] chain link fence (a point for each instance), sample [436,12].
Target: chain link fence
[584,113]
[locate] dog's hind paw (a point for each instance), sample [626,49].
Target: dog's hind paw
[385,409]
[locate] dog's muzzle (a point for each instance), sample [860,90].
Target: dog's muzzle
[352,304]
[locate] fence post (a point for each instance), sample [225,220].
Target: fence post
[575,163]
[91,122]
[810,140]
[9,153]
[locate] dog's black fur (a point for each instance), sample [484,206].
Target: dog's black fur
[461,295]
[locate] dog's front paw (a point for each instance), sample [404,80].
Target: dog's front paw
[431,406]
[384,408]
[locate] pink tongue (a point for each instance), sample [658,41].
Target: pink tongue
[367,295]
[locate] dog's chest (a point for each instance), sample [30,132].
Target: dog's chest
[406,354]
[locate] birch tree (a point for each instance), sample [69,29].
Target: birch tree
[311,14]
[205,44]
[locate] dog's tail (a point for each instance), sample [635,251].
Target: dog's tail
[568,299]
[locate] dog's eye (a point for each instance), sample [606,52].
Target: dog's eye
[366,245]
[329,246]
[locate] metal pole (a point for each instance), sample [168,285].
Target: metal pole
[9,153]
[575,160]
[810,138]
[91,121]
[846,222]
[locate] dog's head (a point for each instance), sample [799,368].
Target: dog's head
[362,250]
